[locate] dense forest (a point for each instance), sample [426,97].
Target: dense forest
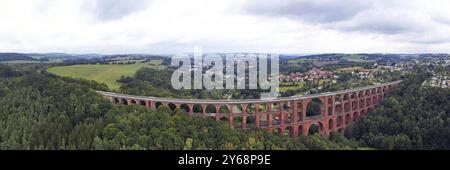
[39,111]
[413,117]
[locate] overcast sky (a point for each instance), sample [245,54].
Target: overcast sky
[174,26]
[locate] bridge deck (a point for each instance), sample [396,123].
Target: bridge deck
[231,101]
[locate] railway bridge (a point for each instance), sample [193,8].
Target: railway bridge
[298,115]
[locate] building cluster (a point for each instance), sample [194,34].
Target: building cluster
[312,74]
[438,81]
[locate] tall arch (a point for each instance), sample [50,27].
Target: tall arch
[339,121]
[330,124]
[315,128]
[314,108]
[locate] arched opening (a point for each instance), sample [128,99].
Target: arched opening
[361,94]
[338,98]
[262,108]
[157,104]
[184,107]
[300,130]
[346,97]
[288,116]
[339,121]
[348,119]
[250,115]
[277,131]
[367,93]
[354,105]
[289,131]
[354,95]
[116,100]
[133,101]
[315,128]
[363,112]
[287,106]
[124,101]
[330,110]
[361,103]
[142,103]
[172,106]
[197,108]
[224,109]
[346,107]
[338,108]
[330,124]
[314,108]
[276,106]
[374,100]
[355,116]
[210,108]
[368,102]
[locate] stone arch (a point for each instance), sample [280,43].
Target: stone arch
[348,119]
[354,104]
[142,102]
[277,131]
[263,107]
[314,107]
[363,112]
[368,102]
[338,98]
[124,101]
[361,94]
[116,100]
[197,108]
[300,130]
[346,107]
[172,106]
[374,99]
[330,124]
[346,97]
[338,108]
[315,128]
[367,93]
[361,103]
[289,131]
[132,101]
[185,107]
[354,95]
[339,121]
[276,106]
[224,109]
[158,104]
[210,108]
[355,116]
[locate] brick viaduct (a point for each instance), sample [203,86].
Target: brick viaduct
[288,115]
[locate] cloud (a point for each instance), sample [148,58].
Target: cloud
[116,9]
[173,26]
[312,11]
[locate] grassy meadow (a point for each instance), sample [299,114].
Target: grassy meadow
[107,74]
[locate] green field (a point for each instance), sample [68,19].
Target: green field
[107,74]
[291,86]
[357,58]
